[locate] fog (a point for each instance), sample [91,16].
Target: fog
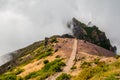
[23,22]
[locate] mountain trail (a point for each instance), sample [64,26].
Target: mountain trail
[72,57]
[69,64]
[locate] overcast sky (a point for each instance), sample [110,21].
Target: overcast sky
[23,22]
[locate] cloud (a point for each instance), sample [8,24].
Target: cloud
[105,14]
[23,22]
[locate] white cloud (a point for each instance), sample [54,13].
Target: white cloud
[25,21]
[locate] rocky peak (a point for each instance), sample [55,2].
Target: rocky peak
[91,34]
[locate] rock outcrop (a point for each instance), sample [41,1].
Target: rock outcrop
[91,34]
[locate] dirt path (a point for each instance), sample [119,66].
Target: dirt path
[72,57]
[69,64]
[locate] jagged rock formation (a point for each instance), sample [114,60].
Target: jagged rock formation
[90,34]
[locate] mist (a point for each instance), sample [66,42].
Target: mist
[23,22]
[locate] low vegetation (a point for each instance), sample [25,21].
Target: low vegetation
[95,70]
[102,71]
[12,75]
[58,56]
[73,67]
[53,40]
[40,52]
[113,77]
[117,56]
[64,76]
[89,72]
[96,61]
[49,69]
[45,53]
[46,61]
[85,64]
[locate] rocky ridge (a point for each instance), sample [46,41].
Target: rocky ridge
[91,34]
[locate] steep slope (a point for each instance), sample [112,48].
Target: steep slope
[72,52]
[85,55]
[89,48]
[16,55]
[69,62]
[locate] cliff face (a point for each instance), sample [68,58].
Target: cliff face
[90,34]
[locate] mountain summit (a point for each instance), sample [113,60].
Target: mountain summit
[91,34]
[87,54]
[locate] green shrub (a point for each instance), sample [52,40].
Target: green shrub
[30,75]
[53,40]
[111,77]
[57,67]
[101,64]
[85,64]
[49,69]
[116,64]
[49,50]
[58,56]
[46,61]
[88,73]
[64,76]
[62,64]
[19,78]
[44,76]
[96,61]
[12,74]
[117,56]
[10,77]
[18,71]
[45,54]
[54,66]
[73,67]
[102,71]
